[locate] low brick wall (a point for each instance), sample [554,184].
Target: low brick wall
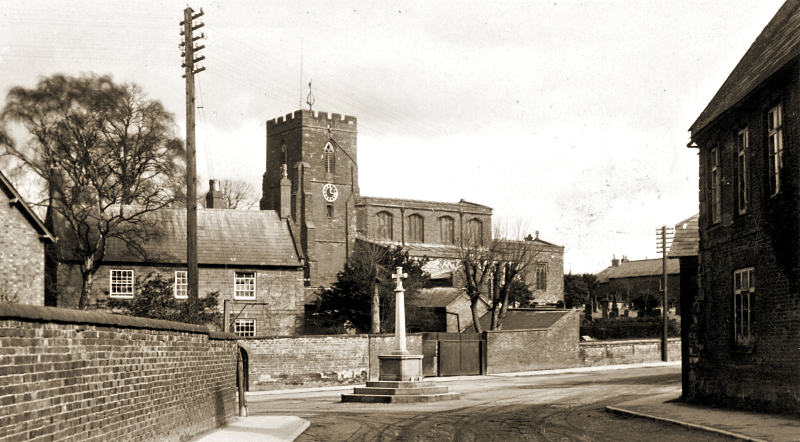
[534,349]
[293,361]
[68,374]
[630,351]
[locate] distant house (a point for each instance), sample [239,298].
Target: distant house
[450,305]
[22,248]
[744,336]
[633,287]
[251,257]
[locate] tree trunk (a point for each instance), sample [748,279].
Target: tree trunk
[376,309]
[86,288]
[475,315]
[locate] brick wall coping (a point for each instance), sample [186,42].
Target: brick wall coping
[628,341]
[52,314]
[357,335]
[518,330]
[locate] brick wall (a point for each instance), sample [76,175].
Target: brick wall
[277,309]
[536,349]
[627,351]
[75,375]
[286,362]
[21,257]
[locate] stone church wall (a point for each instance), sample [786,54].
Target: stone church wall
[90,376]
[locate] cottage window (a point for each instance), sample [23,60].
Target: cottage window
[384,230]
[329,156]
[541,276]
[447,230]
[716,181]
[244,327]
[775,144]
[744,289]
[416,228]
[121,284]
[742,167]
[244,285]
[181,286]
[475,232]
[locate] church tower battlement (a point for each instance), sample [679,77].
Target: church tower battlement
[320,151]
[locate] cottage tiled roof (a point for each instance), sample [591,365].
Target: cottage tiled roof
[522,319]
[686,239]
[773,48]
[642,267]
[224,237]
[24,208]
[438,297]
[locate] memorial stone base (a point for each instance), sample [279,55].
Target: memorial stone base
[400,381]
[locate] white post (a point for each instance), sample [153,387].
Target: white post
[399,313]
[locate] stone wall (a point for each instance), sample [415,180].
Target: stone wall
[21,257]
[535,349]
[67,374]
[287,362]
[632,351]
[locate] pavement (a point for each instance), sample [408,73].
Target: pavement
[664,407]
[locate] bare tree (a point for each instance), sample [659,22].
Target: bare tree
[239,194]
[107,155]
[492,270]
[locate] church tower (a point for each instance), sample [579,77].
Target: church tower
[319,151]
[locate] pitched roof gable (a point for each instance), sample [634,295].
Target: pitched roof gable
[25,209]
[642,267]
[686,240]
[777,44]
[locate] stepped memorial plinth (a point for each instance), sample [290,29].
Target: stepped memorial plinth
[400,373]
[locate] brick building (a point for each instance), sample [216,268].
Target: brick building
[318,152]
[251,258]
[628,284]
[22,248]
[746,312]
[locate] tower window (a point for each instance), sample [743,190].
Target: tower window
[329,157]
[329,210]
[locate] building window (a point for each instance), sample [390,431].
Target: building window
[244,327]
[742,167]
[329,157]
[541,276]
[716,181]
[744,288]
[475,232]
[447,230]
[775,143]
[384,230]
[329,210]
[244,285]
[181,286]
[416,228]
[121,285]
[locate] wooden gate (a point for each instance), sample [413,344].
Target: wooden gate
[455,353]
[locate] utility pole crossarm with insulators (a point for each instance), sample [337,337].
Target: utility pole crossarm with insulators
[664,237]
[189,60]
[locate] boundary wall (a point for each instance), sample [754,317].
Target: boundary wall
[629,351]
[77,375]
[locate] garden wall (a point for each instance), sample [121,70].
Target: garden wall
[630,351]
[68,374]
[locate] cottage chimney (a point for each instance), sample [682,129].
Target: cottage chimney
[614,261]
[624,258]
[285,196]
[214,198]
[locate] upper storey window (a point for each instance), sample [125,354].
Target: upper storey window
[775,145]
[416,228]
[742,170]
[475,232]
[329,158]
[384,230]
[447,230]
[716,182]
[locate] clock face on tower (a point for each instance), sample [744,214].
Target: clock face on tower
[330,192]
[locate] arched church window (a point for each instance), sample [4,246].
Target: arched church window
[329,158]
[447,230]
[384,230]
[416,228]
[475,232]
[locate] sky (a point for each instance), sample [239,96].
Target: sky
[566,117]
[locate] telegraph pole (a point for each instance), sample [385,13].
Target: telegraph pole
[189,49]
[663,236]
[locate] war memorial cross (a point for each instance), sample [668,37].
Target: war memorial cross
[399,313]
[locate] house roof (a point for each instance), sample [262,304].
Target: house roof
[686,239]
[522,319]
[642,267]
[438,297]
[772,49]
[17,201]
[224,237]
[424,204]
